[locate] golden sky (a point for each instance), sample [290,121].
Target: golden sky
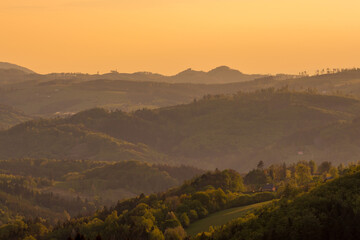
[167,36]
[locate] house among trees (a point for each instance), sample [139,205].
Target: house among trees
[328,178]
[269,187]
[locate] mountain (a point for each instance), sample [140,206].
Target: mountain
[68,93]
[7,66]
[48,139]
[219,75]
[66,96]
[10,117]
[227,131]
[346,81]
[11,73]
[224,131]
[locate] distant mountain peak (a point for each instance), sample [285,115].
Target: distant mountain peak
[188,71]
[6,65]
[220,68]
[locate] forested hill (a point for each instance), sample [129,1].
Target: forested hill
[156,215]
[49,139]
[6,65]
[328,212]
[68,93]
[10,116]
[307,207]
[217,131]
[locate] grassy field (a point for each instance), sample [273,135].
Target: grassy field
[220,218]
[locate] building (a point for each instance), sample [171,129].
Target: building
[268,188]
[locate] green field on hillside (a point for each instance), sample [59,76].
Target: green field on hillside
[221,217]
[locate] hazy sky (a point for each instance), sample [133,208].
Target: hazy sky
[167,36]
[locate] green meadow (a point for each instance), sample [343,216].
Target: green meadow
[221,218]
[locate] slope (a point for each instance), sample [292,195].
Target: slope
[48,139]
[216,131]
[328,212]
[221,218]
[332,142]
[226,129]
[10,117]
[6,65]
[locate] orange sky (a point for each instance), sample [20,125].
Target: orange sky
[167,36]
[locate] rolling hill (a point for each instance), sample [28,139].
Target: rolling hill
[327,212]
[54,189]
[10,117]
[230,130]
[6,65]
[68,93]
[224,131]
[46,139]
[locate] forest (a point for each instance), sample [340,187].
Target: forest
[282,158]
[62,94]
[217,131]
[305,194]
[179,120]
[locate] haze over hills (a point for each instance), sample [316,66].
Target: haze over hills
[48,139]
[224,131]
[146,136]
[179,120]
[68,93]
[219,75]
[9,117]
[64,93]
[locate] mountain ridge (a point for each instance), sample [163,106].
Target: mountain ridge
[223,131]
[6,65]
[187,76]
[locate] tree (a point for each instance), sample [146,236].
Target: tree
[177,233]
[156,234]
[312,166]
[185,220]
[193,215]
[324,167]
[79,237]
[303,175]
[334,172]
[260,165]
[255,176]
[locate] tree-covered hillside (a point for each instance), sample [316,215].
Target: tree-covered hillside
[10,117]
[153,216]
[313,200]
[6,65]
[330,211]
[54,190]
[47,139]
[217,131]
[68,93]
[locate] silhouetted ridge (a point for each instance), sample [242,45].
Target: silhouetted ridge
[6,65]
